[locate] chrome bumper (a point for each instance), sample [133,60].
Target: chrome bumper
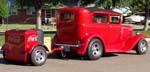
[68,45]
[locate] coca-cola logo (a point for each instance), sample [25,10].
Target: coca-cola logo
[32,38]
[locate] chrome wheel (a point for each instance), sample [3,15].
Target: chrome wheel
[38,56]
[96,50]
[142,47]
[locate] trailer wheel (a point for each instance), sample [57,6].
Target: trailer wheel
[142,47]
[95,49]
[38,56]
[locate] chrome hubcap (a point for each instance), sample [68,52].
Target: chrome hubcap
[96,49]
[39,56]
[143,46]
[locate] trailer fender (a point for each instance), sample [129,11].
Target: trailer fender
[29,50]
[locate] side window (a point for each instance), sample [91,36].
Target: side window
[100,18]
[115,19]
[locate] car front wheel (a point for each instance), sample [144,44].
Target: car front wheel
[142,47]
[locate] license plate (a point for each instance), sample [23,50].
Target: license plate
[67,48]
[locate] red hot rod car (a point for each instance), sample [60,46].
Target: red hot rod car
[92,32]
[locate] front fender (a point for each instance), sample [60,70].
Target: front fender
[133,41]
[85,42]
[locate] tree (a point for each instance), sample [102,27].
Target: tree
[135,5]
[37,4]
[142,5]
[4,11]
[147,14]
[110,4]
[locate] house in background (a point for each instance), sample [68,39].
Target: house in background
[28,15]
[21,16]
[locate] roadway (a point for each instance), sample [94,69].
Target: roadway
[122,62]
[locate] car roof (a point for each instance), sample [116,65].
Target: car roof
[92,9]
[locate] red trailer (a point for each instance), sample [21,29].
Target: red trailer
[25,46]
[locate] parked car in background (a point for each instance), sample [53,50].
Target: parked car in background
[135,18]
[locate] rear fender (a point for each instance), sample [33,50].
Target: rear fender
[85,42]
[133,41]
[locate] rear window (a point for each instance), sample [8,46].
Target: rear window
[67,16]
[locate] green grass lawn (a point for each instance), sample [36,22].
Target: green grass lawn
[16,26]
[145,32]
[2,40]
[5,27]
[49,35]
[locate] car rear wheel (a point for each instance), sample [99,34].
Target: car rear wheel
[38,56]
[142,47]
[95,49]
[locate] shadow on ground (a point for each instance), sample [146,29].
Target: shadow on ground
[128,53]
[76,57]
[2,61]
